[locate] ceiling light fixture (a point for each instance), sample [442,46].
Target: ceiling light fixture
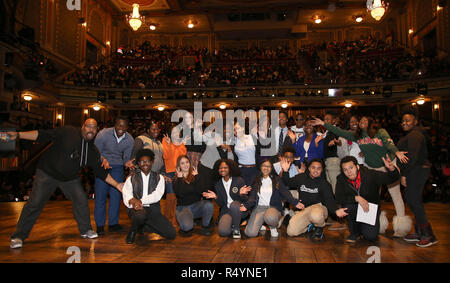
[377,8]
[135,19]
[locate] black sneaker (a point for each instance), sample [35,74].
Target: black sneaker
[185,233]
[131,237]
[236,234]
[206,231]
[352,238]
[115,228]
[100,230]
[317,234]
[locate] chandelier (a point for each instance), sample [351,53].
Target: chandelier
[135,20]
[377,8]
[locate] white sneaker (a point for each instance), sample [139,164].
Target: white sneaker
[16,243]
[273,232]
[263,230]
[90,234]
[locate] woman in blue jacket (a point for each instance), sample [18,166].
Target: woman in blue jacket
[265,199]
[310,145]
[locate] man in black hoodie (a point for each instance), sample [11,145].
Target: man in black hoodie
[315,194]
[359,185]
[72,149]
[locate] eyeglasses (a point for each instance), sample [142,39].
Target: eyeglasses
[142,162]
[300,119]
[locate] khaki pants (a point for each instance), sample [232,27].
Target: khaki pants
[315,214]
[333,169]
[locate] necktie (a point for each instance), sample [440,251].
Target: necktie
[280,141]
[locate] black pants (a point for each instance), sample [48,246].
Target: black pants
[415,182]
[43,188]
[153,219]
[208,177]
[369,232]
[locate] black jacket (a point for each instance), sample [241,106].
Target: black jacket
[312,191]
[188,194]
[68,154]
[236,183]
[371,181]
[416,146]
[279,192]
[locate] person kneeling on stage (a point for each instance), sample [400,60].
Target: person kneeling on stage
[265,198]
[188,189]
[142,193]
[316,198]
[358,185]
[230,195]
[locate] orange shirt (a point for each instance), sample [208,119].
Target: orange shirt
[171,153]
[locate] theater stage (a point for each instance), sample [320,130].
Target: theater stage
[56,231]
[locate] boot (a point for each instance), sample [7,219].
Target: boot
[414,237]
[170,209]
[428,237]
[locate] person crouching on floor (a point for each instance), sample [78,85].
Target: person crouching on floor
[265,199]
[359,185]
[316,197]
[142,193]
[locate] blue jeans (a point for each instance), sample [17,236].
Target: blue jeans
[186,214]
[102,189]
[168,186]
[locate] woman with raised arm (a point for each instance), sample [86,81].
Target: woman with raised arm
[186,185]
[375,143]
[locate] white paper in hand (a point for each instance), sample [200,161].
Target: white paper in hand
[369,217]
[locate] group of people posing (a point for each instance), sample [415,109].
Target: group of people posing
[314,178]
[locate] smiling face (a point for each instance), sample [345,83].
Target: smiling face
[354,124]
[315,169]
[224,170]
[309,128]
[120,127]
[282,120]
[154,131]
[89,129]
[364,123]
[408,122]
[238,130]
[350,170]
[266,168]
[184,165]
[145,163]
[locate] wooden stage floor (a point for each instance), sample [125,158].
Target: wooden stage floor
[56,231]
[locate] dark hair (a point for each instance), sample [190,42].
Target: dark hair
[145,152]
[234,168]
[190,177]
[347,159]
[409,109]
[372,128]
[121,117]
[257,183]
[316,160]
[151,123]
[287,148]
[330,112]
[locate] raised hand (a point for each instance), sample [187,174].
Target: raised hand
[317,122]
[166,137]
[285,164]
[292,135]
[302,168]
[194,171]
[244,190]
[179,173]
[130,165]
[388,163]
[318,139]
[402,157]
